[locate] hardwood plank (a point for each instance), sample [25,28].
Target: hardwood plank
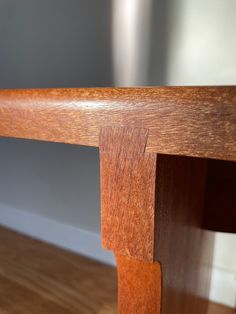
[38,278]
[18,299]
[191,121]
[215,308]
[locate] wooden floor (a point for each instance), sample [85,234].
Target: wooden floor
[37,278]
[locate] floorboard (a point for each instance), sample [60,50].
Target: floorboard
[37,278]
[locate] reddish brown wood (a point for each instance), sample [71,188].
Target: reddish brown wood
[220,200]
[192,121]
[151,218]
[139,286]
[183,248]
[151,205]
[127,192]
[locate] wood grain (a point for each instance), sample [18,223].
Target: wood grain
[152,204]
[152,213]
[139,286]
[38,278]
[184,249]
[191,121]
[127,192]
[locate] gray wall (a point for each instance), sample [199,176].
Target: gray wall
[56,43]
[53,180]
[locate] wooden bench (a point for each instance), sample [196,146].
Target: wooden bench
[168,179]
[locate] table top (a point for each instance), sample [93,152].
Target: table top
[190,121]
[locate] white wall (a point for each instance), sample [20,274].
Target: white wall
[202,42]
[223,285]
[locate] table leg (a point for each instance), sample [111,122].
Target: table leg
[152,219]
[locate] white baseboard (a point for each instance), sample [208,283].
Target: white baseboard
[71,238]
[223,287]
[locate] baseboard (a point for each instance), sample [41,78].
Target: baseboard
[223,287]
[65,236]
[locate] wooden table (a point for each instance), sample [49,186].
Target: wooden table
[168,179]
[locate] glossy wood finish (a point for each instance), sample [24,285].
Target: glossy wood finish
[139,286]
[184,249]
[127,192]
[152,209]
[191,121]
[152,204]
[39,278]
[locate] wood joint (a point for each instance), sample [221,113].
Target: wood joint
[128,176]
